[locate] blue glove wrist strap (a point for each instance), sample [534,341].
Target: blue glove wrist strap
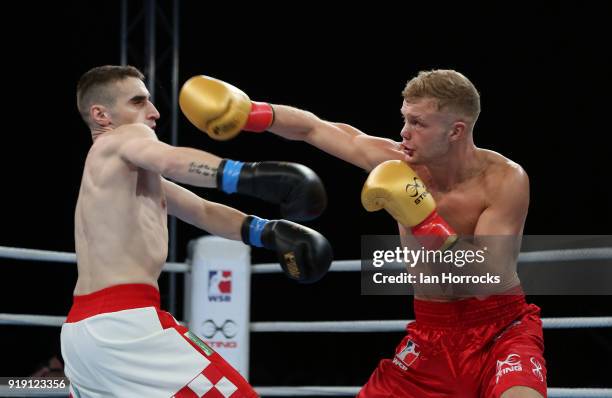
[231,175]
[256,229]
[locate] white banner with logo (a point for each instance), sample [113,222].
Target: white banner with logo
[218,307]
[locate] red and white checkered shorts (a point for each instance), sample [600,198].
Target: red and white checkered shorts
[117,342]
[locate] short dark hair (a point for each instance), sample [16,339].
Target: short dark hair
[95,86]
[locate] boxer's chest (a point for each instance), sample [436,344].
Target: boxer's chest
[461,207]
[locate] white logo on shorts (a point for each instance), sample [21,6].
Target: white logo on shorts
[511,364]
[537,368]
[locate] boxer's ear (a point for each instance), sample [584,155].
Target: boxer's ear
[100,115]
[458,130]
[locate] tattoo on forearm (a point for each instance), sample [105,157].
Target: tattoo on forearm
[202,169]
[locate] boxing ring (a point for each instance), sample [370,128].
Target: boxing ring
[219,268]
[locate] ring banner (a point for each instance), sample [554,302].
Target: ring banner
[477,266]
[219,303]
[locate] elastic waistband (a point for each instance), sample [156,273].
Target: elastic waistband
[470,312]
[113,299]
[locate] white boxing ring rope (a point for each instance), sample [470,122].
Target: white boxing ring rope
[18,253]
[327,326]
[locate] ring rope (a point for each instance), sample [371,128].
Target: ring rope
[336,266]
[587,254]
[352,391]
[400,325]
[31,320]
[324,391]
[325,326]
[598,253]
[6,391]
[18,253]
[590,254]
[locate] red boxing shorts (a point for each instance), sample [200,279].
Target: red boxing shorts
[117,342]
[468,348]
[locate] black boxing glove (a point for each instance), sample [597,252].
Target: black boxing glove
[304,254]
[297,189]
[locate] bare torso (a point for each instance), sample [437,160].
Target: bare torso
[121,234]
[462,205]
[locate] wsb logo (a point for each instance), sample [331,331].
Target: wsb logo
[219,285]
[416,190]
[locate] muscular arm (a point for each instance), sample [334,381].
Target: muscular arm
[212,217]
[141,148]
[500,226]
[508,205]
[337,139]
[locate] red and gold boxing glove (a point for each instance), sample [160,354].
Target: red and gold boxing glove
[395,187]
[222,110]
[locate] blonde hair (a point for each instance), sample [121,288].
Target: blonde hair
[449,88]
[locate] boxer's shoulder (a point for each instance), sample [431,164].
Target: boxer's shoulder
[503,181]
[498,169]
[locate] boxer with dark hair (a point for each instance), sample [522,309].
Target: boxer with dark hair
[116,341]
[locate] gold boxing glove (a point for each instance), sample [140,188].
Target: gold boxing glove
[222,110]
[395,187]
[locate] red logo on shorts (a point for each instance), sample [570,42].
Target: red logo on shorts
[407,355]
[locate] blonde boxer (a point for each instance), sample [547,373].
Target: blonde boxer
[438,186]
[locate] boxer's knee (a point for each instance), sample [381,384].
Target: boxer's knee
[521,392]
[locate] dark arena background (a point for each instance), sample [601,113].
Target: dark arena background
[544,82]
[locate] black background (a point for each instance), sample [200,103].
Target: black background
[545,104]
